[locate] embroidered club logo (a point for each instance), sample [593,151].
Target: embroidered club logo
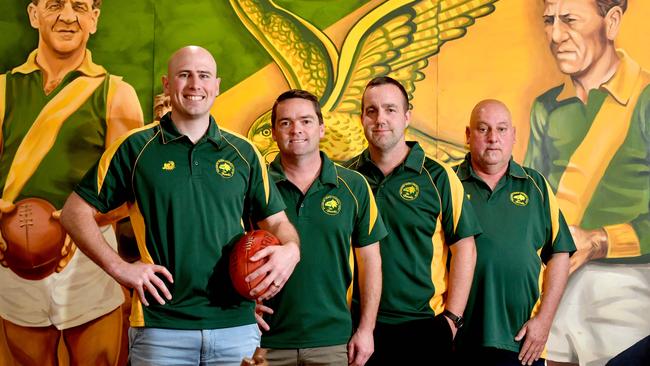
[409,191]
[331,205]
[170,165]
[225,168]
[519,198]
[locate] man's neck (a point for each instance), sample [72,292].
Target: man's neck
[193,128]
[491,175]
[599,73]
[302,171]
[388,160]
[56,66]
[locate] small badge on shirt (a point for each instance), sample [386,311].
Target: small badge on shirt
[331,205]
[409,191]
[170,165]
[225,168]
[519,198]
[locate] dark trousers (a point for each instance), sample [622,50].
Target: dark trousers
[487,356]
[418,342]
[637,355]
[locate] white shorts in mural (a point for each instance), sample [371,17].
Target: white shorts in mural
[605,310]
[78,294]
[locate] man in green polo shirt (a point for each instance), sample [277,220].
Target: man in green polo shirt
[426,214]
[590,138]
[523,253]
[187,183]
[335,214]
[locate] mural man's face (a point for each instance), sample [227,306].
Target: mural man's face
[191,83]
[491,136]
[384,117]
[576,33]
[297,129]
[64,26]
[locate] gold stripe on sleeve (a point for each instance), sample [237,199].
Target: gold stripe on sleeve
[107,156]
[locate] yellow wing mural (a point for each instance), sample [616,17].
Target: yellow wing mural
[396,38]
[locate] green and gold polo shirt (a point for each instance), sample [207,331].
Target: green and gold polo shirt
[424,209]
[596,156]
[338,213]
[186,204]
[522,228]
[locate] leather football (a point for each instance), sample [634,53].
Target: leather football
[240,264]
[34,239]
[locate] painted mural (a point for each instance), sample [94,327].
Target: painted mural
[586,131]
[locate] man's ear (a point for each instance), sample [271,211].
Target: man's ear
[613,20]
[408,118]
[95,15]
[467,135]
[165,83]
[32,12]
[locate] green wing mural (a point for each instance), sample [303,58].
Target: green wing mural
[396,38]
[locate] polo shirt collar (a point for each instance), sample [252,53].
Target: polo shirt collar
[170,133]
[620,86]
[87,67]
[414,159]
[466,171]
[328,172]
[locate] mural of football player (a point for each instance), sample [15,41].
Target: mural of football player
[590,138]
[58,111]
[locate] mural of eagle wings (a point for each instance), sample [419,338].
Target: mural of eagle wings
[396,38]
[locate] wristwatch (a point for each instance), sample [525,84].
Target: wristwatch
[457,320]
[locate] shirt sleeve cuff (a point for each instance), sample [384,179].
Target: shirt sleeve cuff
[623,241]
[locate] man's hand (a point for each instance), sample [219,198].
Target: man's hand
[5,207]
[535,333]
[590,244]
[260,310]
[142,277]
[282,259]
[360,347]
[68,249]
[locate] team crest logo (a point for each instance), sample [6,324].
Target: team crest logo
[331,205]
[225,168]
[519,198]
[409,191]
[170,165]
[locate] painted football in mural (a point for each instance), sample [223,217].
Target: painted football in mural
[240,263]
[34,239]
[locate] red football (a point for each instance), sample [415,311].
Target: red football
[240,264]
[34,239]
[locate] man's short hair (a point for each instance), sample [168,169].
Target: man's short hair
[605,5]
[96,3]
[297,94]
[387,80]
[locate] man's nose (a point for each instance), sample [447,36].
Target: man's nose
[492,135]
[193,82]
[68,15]
[295,128]
[558,31]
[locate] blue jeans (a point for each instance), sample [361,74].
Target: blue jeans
[227,346]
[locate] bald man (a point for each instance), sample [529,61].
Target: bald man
[525,247]
[187,183]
